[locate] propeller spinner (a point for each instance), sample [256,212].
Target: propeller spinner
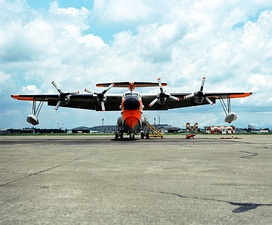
[199,96]
[64,97]
[101,96]
[162,96]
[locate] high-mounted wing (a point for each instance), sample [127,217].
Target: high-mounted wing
[80,101]
[167,101]
[172,104]
[76,100]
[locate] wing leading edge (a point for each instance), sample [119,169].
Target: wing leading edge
[171,104]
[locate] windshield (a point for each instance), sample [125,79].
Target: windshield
[131,94]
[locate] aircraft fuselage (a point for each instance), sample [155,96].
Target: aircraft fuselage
[131,121]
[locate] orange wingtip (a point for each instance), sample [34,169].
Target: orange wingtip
[18,97]
[244,95]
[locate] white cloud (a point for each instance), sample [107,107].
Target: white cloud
[130,11]
[229,42]
[4,78]
[11,113]
[260,81]
[70,11]
[30,89]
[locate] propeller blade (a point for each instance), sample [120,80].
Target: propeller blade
[56,86]
[74,93]
[103,106]
[209,100]
[153,102]
[107,89]
[64,97]
[57,106]
[199,96]
[202,83]
[100,96]
[160,84]
[110,87]
[162,96]
[189,96]
[88,91]
[173,97]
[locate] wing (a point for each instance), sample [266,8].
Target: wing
[80,101]
[172,104]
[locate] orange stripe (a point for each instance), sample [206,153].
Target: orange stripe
[18,97]
[241,95]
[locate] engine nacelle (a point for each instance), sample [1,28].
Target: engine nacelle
[65,99]
[161,101]
[161,98]
[230,117]
[32,119]
[198,100]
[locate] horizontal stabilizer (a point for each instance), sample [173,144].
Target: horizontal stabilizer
[131,85]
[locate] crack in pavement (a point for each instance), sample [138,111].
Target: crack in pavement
[251,154]
[242,207]
[45,170]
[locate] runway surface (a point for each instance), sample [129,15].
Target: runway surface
[98,180]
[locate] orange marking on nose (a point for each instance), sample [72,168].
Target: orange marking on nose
[132,121]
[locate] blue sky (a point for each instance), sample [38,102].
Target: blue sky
[44,4]
[80,43]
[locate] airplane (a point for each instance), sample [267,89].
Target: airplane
[131,103]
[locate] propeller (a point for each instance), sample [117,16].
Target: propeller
[162,96]
[101,96]
[199,96]
[64,97]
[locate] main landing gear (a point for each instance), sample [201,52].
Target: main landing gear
[117,135]
[131,135]
[144,135]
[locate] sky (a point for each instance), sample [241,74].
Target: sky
[83,42]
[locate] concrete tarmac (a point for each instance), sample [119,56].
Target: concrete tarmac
[98,180]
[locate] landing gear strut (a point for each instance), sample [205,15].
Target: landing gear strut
[33,118]
[230,116]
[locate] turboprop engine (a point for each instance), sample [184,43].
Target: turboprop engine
[230,117]
[32,120]
[162,96]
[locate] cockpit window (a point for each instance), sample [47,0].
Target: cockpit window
[132,94]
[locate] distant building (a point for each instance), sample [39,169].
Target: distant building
[105,128]
[112,129]
[81,129]
[264,131]
[219,130]
[166,128]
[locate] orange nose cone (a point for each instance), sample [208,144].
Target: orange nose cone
[132,121]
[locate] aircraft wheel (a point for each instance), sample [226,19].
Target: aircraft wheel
[142,135]
[121,136]
[147,136]
[131,136]
[116,135]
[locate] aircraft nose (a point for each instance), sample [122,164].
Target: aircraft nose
[131,103]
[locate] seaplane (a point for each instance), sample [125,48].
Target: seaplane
[131,103]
